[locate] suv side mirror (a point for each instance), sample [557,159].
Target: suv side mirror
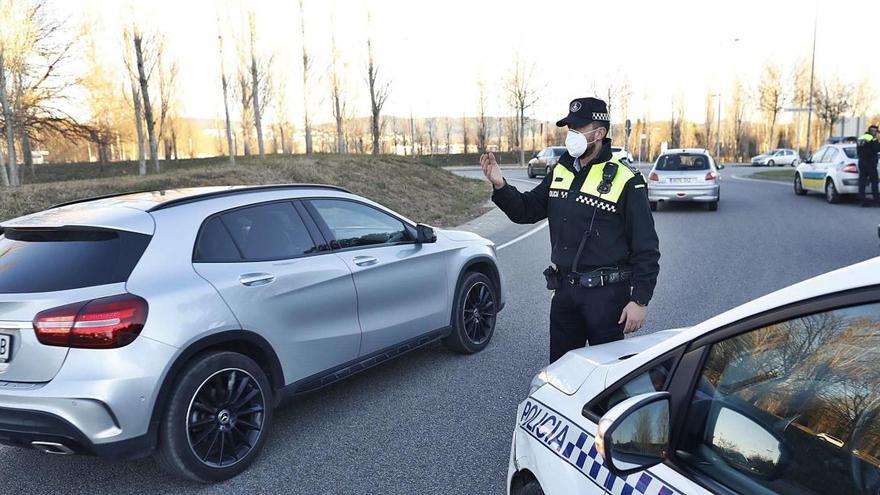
[425,234]
[634,435]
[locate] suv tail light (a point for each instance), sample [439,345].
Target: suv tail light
[654,177]
[712,176]
[104,323]
[851,168]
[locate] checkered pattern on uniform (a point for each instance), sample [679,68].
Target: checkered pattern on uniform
[590,463]
[598,203]
[558,194]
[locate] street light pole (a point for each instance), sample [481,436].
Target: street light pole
[812,74]
[718,131]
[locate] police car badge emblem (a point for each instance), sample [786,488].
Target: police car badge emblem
[575,106]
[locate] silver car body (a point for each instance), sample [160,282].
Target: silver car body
[777,158]
[678,185]
[322,317]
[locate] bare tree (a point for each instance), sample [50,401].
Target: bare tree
[379,92]
[167,94]
[307,67]
[145,63]
[337,91]
[482,133]
[863,97]
[224,84]
[431,128]
[771,99]
[832,102]
[737,111]
[12,179]
[255,83]
[464,133]
[710,120]
[245,95]
[521,96]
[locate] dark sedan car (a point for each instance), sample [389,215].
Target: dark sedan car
[543,162]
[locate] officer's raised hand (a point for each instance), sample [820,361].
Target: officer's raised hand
[634,316]
[491,170]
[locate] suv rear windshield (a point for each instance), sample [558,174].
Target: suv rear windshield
[53,260]
[683,162]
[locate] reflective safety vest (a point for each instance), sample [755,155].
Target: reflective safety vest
[589,194]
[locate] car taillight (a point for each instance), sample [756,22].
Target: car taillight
[103,323]
[654,176]
[712,176]
[851,168]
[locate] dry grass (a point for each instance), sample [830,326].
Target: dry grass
[421,192]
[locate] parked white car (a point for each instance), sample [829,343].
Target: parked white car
[622,154]
[777,158]
[779,395]
[833,171]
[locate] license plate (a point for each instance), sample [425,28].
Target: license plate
[679,179]
[5,348]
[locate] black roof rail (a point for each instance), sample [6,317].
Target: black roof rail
[241,190]
[96,198]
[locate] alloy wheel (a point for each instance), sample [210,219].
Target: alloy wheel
[225,418]
[479,313]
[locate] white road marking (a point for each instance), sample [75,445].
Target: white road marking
[765,181]
[535,230]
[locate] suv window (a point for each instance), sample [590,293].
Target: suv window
[29,258]
[355,224]
[259,233]
[215,244]
[653,380]
[792,408]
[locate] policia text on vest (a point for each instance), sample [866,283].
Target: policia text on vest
[604,246]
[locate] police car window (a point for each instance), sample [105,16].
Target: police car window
[682,162]
[792,407]
[653,380]
[851,152]
[267,232]
[558,151]
[819,156]
[354,224]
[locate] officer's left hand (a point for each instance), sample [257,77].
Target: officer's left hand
[634,316]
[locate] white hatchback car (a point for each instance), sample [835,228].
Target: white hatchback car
[833,171]
[780,395]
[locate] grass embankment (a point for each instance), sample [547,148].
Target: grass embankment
[419,191]
[785,175]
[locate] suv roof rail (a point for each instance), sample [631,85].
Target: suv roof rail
[206,195]
[242,190]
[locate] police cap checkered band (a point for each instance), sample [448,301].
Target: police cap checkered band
[582,111]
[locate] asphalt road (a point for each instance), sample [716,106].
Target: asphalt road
[436,422]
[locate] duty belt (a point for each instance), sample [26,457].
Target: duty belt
[598,278]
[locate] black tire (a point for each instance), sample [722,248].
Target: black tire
[831,194]
[771,163]
[530,173]
[531,488]
[654,205]
[196,412]
[473,315]
[713,206]
[799,186]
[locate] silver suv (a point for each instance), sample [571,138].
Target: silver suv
[175,321]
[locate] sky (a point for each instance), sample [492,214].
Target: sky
[435,52]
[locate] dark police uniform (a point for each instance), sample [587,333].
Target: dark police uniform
[601,210]
[868,147]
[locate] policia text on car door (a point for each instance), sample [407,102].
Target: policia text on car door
[604,246]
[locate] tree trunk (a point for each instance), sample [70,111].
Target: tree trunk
[14,180]
[148,107]
[464,131]
[139,126]
[4,176]
[256,99]
[26,151]
[522,136]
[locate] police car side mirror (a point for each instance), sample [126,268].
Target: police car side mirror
[634,435]
[425,234]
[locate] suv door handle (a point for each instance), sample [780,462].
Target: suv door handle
[256,279]
[365,260]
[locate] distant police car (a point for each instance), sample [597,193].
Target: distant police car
[833,171]
[780,395]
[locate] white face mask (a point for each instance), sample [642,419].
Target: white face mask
[576,143]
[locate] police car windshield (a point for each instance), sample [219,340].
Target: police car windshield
[683,162]
[850,152]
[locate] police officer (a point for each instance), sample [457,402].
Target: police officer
[604,245]
[868,148]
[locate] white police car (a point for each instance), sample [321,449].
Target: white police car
[780,395]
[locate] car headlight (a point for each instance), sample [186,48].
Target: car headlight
[539,381]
